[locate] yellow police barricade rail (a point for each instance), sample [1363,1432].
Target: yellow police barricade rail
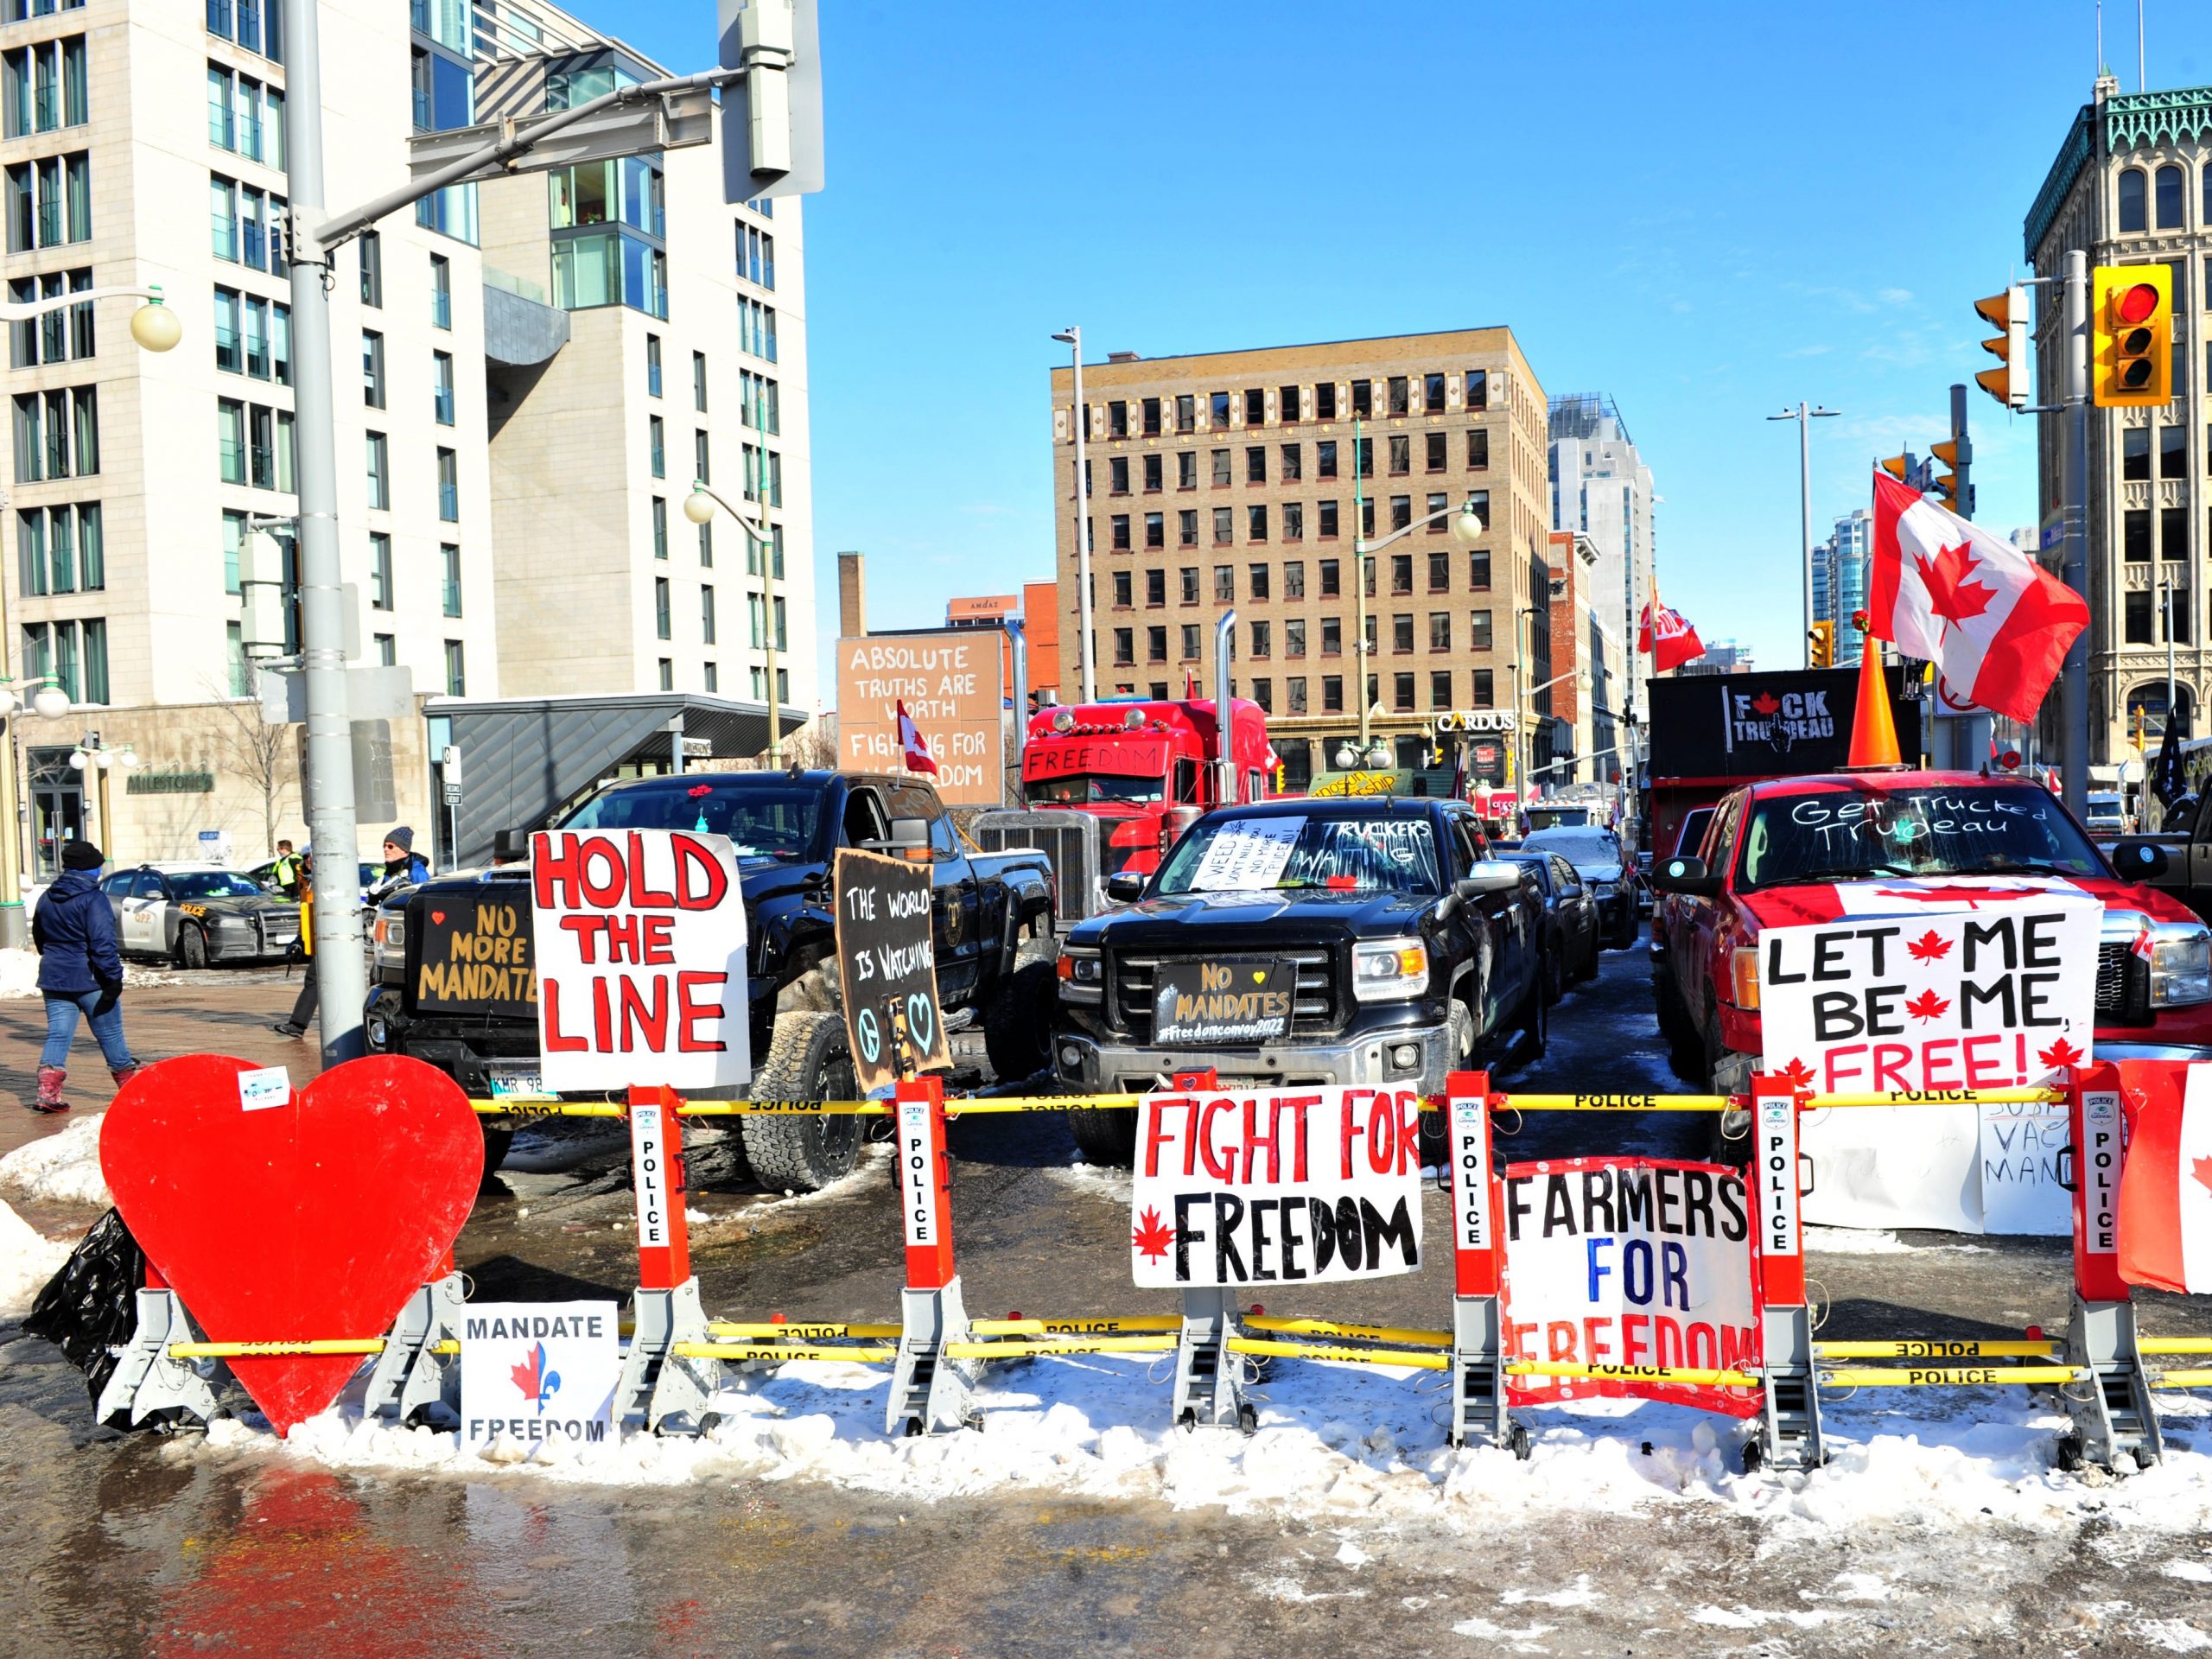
[1418,1359]
[1706,1379]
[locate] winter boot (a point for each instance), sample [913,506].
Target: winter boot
[123,1074]
[50,1079]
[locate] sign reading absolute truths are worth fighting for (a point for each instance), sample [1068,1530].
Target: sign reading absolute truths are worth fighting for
[1943,984]
[539,1371]
[1636,1263]
[1286,1185]
[887,969]
[640,941]
[953,685]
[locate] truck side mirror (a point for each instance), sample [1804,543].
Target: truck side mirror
[908,836]
[1685,875]
[2139,861]
[1125,886]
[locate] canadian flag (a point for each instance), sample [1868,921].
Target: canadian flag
[2166,1189]
[1992,620]
[1676,643]
[915,748]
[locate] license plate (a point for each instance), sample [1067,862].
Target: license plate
[511,1085]
[1200,1003]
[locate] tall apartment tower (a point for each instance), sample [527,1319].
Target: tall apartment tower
[1231,479]
[1839,566]
[521,344]
[2132,186]
[1602,489]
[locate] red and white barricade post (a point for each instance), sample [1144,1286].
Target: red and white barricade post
[420,1366]
[929,1388]
[1789,1417]
[2112,1412]
[1209,1378]
[660,1388]
[1477,1359]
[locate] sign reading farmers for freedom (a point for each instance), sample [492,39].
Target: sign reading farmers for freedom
[887,969]
[1636,1263]
[640,941]
[953,687]
[539,1371]
[1315,1185]
[473,956]
[1949,985]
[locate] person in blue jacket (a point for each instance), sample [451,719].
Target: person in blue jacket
[81,972]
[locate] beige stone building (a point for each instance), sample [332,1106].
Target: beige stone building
[1237,480]
[530,373]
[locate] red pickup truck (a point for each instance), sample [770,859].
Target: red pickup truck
[1775,850]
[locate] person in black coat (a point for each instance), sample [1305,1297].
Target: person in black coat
[80,972]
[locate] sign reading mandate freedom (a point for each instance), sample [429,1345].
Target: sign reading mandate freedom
[953,685]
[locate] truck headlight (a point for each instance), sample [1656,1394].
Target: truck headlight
[2181,965]
[1083,975]
[1389,970]
[391,931]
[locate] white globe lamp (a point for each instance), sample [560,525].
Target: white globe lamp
[153,326]
[698,506]
[50,701]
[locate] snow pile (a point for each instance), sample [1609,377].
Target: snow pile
[63,1168]
[27,1260]
[18,974]
[1354,1443]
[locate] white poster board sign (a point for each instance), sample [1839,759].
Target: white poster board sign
[1294,1186]
[641,943]
[538,1372]
[1246,855]
[2020,1190]
[1931,987]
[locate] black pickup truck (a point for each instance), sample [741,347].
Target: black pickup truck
[1301,942]
[477,1020]
[2177,858]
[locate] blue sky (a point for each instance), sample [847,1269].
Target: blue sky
[1705,210]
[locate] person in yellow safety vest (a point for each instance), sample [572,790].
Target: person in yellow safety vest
[285,872]
[303,1007]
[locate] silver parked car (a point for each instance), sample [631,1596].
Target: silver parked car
[195,914]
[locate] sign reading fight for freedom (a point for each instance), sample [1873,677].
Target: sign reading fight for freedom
[1636,1263]
[953,686]
[640,937]
[887,969]
[536,1372]
[1288,1185]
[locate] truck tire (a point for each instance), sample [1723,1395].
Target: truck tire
[1018,1025]
[1460,1056]
[1685,1045]
[807,1059]
[1107,1137]
[496,1142]
[1588,971]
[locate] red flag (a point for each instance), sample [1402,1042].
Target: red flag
[1993,621]
[2166,1188]
[1677,640]
[911,743]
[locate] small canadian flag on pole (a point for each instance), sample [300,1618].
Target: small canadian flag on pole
[1993,621]
[2165,1190]
[913,748]
[1670,640]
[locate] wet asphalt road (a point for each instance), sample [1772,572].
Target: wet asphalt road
[125,1545]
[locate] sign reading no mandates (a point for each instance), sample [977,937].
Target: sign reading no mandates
[887,969]
[640,939]
[473,954]
[1289,1186]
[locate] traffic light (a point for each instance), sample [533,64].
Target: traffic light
[1946,485]
[1898,465]
[1821,639]
[2131,320]
[2008,313]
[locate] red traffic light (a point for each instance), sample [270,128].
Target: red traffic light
[2009,759]
[2136,302]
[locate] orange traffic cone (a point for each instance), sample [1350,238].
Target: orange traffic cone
[1873,727]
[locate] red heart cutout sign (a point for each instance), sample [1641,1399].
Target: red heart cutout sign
[289,1218]
[438,915]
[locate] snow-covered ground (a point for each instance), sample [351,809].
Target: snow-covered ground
[63,1168]
[19,975]
[27,1260]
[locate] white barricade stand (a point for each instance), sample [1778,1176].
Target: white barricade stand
[1478,1410]
[663,1388]
[1790,1419]
[2112,1411]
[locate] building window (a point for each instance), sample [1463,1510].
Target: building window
[1293,463]
[441,291]
[702,469]
[756,328]
[50,202]
[1440,689]
[1440,572]
[657,445]
[1432,511]
[1293,637]
[449,584]
[1186,469]
[1286,400]
[1478,636]
[1186,413]
[1224,584]
[1190,574]
[2168,198]
[660,527]
[660,608]
[1118,530]
[1149,414]
[2173,535]
[456,669]
[442,386]
[62,335]
[1434,445]
[246,223]
[756,256]
[1186,528]
[380,583]
[1332,636]
[2134,532]
[1401,634]
[1220,468]
[1255,407]
[1118,475]
[1439,630]
[713,681]
[1479,449]
[45,87]
[1478,382]
[1400,402]
[2133,213]
[1329,587]
[450,485]
[2139,626]
[1293,521]
[1262,644]
[1155,644]
[1431,394]
[1263,694]
[1255,464]
[1125,649]
[57,434]
[1190,642]
[617,267]
[1401,572]
[2173,451]
[1327,525]
[1152,469]
[1333,693]
[1478,571]
[379,450]
[706,545]
[1325,458]
[1401,454]
[1155,529]
[372,387]
[707,615]
[1218,410]
[387,649]
[2135,453]
[1480,697]
[652,366]
[1224,527]
[699,381]
[1364,459]
[1156,588]
[1255,522]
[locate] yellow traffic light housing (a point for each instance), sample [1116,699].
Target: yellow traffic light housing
[2131,329]
[1947,485]
[1897,466]
[2007,313]
[1821,639]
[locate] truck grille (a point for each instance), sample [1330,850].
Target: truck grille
[1134,977]
[1070,840]
[2111,978]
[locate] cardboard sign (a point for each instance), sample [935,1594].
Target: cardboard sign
[2020,1149]
[640,945]
[887,967]
[473,953]
[1638,1263]
[953,685]
[1940,995]
[536,1372]
[1238,1001]
[1289,1186]
[1246,855]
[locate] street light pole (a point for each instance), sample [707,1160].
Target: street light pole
[1467,529]
[1805,417]
[699,507]
[2073,682]
[1079,417]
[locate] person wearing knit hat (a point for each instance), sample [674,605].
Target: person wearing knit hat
[402,864]
[79,973]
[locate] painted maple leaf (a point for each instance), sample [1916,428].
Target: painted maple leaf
[2204,1173]
[1930,946]
[536,1382]
[1796,1074]
[1766,703]
[1953,593]
[1151,1235]
[2061,1052]
[1927,1005]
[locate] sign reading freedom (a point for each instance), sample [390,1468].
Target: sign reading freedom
[1319,1185]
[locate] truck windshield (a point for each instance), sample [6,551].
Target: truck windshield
[762,824]
[1346,854]
[1969,830]
[1083,789]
